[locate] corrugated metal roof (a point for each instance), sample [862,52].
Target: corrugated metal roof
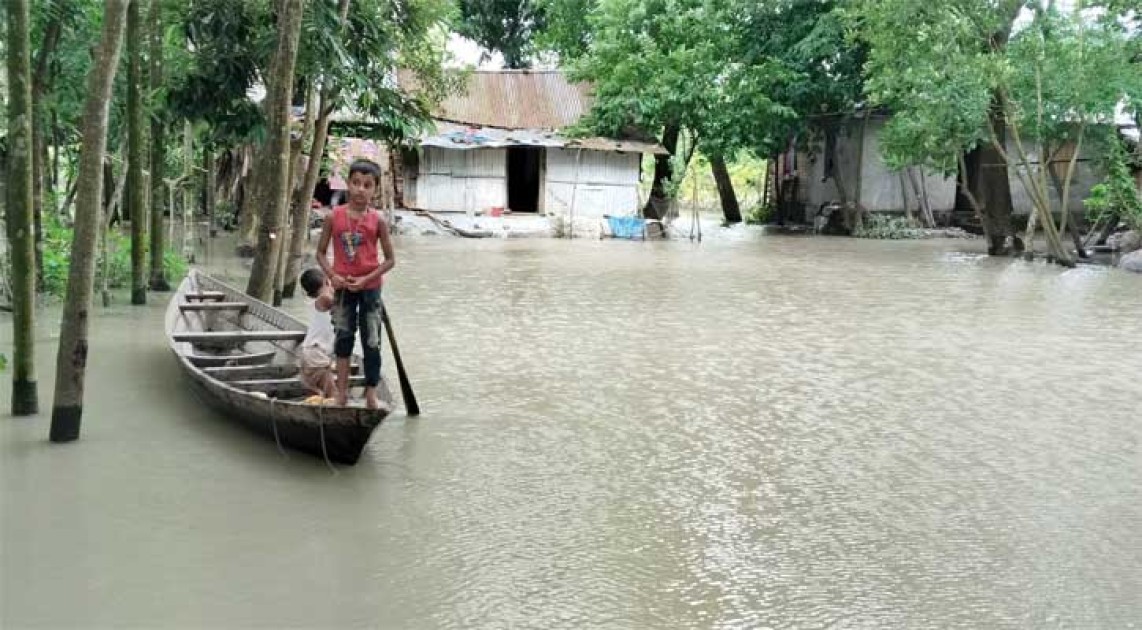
[517,99]
[461,137]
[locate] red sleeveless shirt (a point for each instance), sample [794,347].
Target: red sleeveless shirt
[355,243]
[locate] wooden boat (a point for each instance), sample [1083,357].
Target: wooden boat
[241,356]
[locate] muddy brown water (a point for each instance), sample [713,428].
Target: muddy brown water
[754,432]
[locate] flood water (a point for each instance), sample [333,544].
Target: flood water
[754,432]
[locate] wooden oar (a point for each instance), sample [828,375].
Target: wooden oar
[410,405]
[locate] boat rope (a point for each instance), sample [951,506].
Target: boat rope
[321,427]
[274,423]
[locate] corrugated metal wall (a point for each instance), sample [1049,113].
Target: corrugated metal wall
[476,180]
[462,180]
[601,183]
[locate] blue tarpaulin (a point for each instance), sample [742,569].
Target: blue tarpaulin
[627,227]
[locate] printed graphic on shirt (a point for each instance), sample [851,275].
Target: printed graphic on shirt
[350,241]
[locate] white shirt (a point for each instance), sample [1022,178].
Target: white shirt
[320,332]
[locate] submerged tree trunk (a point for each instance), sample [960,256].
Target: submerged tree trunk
[18,207]
[158,280]
[71,360]
[273,173]
[990,185]
[658,205]
[730,207]
[136,200]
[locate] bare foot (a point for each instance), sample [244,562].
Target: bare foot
[341,400]
[371,398]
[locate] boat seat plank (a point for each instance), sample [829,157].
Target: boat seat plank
[251,372]
[239,336]
[284,386]
[205,295]
[208,360]
[214,306]
[254,372]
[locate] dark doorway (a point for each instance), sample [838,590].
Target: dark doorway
[523,178]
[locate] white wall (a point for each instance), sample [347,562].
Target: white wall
[601,183]
[880,188]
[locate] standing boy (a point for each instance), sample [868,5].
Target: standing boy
[355,229]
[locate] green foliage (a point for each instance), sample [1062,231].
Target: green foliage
[3,362]
[816,68]
[57,257]
[231,45]
[759,215]
[230,42]
[506,26]
[887,227]
[941,66]
[566,31]
[931,65]
[696,182]
[1117,194]
[737,74]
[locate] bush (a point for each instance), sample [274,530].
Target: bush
[1117,193]
[759,215]
[883,226]
[57,254]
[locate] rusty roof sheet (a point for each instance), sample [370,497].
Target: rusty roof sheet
[515,99]
[449,135]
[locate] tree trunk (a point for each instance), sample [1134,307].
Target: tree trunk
[71,360]
[730,207]
[1036,191]
[41,81]
[187,198]
[297,212]
[312,172]
[989,183]
[112,208]
[850,209]
[299,228]
[658,205]
[908,215]
[927,219]
[273,173]
[18,207]
[136,200]
[210,188]
[1063,190]
[38,200]
[298,237]
[158,149]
